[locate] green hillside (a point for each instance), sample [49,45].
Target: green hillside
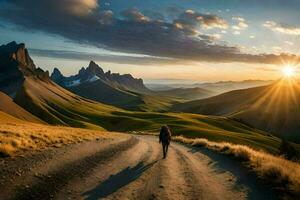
[9,107]
[58,106]
[187,93]
[36,93]
[274,108]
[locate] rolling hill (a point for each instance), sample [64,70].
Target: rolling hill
[215,87]
[60,107]
[226,86]
[18,136]
[8,106]
[274,108]
[187,93]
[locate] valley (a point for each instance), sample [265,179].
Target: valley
[149,100]
[273,108]
[39,99]
[105,118]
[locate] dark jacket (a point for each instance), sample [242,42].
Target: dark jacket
[165,135]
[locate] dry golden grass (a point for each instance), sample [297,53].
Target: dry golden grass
[17,136]
[273,169]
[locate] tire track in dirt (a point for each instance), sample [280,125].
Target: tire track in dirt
[46,187]
[112,178]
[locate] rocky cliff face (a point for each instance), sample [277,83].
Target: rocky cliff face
[15,66]
[95,73]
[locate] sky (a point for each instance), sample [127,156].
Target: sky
[169,40]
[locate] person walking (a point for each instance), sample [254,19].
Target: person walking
[165,138]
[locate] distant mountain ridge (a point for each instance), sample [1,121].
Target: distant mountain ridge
[187,93]
[216,87]
[92,82]
[226,86]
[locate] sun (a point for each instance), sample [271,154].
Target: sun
[288,71]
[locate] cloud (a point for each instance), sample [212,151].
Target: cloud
[236,27]
[192,20]
[289,43]
[79,7]
[267,69]
[133,32]
[134,14]
[72,7]
[106,17]
[110,58]
[277,49]
[282,28]
[241,23]
[240,19]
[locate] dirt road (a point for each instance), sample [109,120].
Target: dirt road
[128,168]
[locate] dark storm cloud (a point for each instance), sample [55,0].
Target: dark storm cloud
[82,21]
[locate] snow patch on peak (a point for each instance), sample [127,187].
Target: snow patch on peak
[73,83]
[94,78]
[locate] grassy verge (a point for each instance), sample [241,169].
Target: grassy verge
[17,136]
[281,173]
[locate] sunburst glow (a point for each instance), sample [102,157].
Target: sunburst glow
[288,71]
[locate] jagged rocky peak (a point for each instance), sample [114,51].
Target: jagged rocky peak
[17,52]
[108,73]
[94,73]
[56,74]
[15,66]
[95,69]
[16,57]
[81,71]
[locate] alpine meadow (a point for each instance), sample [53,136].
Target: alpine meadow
[173,99]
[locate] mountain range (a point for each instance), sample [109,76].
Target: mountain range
[187,93]
[123,91]
[216,88]
[37,98]
[110,88]
[94,73]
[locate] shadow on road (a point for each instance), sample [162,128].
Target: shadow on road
[245,179]
[117,181]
